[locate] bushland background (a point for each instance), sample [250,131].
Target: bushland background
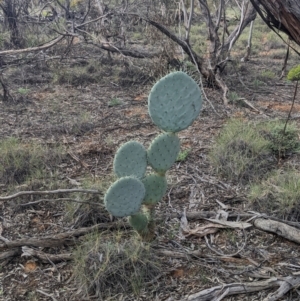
[74,81]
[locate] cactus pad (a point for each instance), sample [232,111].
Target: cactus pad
[138,222]
[124,197]
[163,152]
[174,102]
[156,187]
[130,160]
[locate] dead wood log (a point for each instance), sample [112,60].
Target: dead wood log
[45,257]
[21,193]
[279,228]
[32,49]
[126,52]
[10,253]
[56,239]
[285,284]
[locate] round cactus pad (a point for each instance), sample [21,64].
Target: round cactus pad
[138,222]
[174,102]
[124,197]
[156,187]
[163,152]
[130,160]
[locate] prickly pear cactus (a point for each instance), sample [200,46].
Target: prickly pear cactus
[124,197]
[163,152]
[139,222]
[174,102]
[156,187]
[130,160]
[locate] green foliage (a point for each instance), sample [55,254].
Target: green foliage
[245,150]
[114,265]
[282,142]
[241,153]
[182,156]
[23,91]
[130,160]
[278,195]
[294,74]
[257,84]
[114,102]
[233,96]
[267,74]
[20,162]
[77,75]
[4,38]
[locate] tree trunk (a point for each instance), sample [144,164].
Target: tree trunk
[10,11]
[283,15]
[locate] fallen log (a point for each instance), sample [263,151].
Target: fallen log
[56,239]
[219,292]
[279,228]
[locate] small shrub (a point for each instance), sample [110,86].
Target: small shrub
[278,195]
[294,73]
[82,124]
[106,268]
[233,96]
[240,153]
[267,74]
[282,143]
[257,84]
[77,76]
[235,99]
[19,162]
[114,102]
[182,156]
[23,91]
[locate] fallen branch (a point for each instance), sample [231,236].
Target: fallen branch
[10,253]
[56,239]
[285,284]
[45,257]
[32,49]
[279,228]
[21,193]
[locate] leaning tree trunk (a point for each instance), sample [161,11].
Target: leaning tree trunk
[283,15]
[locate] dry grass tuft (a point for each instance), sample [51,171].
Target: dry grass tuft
[114,266]
[279,195]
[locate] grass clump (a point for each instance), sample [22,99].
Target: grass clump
[283,141]
[247,151]
[278,195]
[182,156]
[240,153]
[114,266]
[114,102]
[20,162]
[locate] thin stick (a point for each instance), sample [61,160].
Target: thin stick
[21,193]
[290,112]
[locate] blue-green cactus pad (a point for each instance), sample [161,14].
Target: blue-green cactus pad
[163,152]
[156,187]
[130,160]
[138,222]
[124,197]
[174,102]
